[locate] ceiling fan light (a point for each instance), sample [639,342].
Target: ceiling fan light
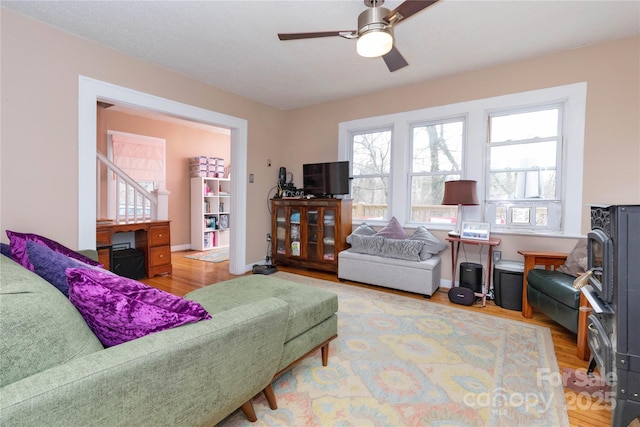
[374,43]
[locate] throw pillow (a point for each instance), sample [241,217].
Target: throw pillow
[393,230]
[5,250]
[51,265]
[370,245]
[408,250]
[363,229]
[18,243]
[431,245]
[118,309]
[577,260]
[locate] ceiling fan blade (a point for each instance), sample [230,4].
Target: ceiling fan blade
[298,36]
[407,9]
[394,60]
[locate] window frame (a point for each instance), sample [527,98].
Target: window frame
[551,204]
[573,96]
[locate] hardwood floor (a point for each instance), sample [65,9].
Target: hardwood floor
[583,411]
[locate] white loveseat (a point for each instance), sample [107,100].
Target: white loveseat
[393,259]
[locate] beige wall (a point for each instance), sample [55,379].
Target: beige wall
[40,68]
[182,142]
[39,127]
[612,134]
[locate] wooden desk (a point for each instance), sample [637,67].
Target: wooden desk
[455,249]
[153,238]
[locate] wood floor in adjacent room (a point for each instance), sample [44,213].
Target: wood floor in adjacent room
[189,274]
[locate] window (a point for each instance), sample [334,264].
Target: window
[436,157]
[370,170]
[524,174]
[143,159]
[525,150]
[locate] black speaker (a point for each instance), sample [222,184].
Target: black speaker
[471,276]
[282,176]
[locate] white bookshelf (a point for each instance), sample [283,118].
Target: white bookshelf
[210,203]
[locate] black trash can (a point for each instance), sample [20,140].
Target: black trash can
[128,263]
[507,284]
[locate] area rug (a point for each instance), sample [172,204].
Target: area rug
[402,361]
[213,255]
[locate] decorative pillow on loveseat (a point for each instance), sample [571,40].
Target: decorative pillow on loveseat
[363,229]
[52,265]
[18,244]
[118,309]
[576,262]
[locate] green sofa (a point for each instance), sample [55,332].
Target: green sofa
[55,372]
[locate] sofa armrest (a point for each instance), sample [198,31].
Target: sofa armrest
[195,374]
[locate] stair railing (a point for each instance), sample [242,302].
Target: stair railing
[135,203]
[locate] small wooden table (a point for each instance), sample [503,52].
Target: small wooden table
[455,249]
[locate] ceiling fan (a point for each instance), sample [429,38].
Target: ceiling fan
[375,31]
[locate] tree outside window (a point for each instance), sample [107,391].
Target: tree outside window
[371,167]
[437,150]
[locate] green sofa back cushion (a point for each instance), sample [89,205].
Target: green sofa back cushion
[40,328]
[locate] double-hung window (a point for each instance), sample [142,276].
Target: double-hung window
[525,150]
[371,170]
[523,180]
[436,157]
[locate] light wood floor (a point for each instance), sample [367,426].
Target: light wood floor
[583,411]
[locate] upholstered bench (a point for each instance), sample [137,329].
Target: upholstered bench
[422,277]
[312,322]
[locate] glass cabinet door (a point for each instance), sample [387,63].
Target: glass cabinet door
[328,234]
[312,233]
[294,231]
[281,230]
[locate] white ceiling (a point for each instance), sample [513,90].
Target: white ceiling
[234,45]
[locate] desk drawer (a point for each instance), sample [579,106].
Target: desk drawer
[103,237]
[160,255]
[159,235]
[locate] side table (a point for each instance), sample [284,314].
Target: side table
[455,249]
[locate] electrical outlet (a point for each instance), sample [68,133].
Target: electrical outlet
[497,256]
[268,237]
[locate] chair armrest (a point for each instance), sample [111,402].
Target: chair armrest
[550,260]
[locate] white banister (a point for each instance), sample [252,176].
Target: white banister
[139,204]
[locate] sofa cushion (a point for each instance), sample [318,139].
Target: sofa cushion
[119,309]
[558,286]
[18,243]
[393,230]
[431,245]
[40,328]
[363,229]
[308,306]
[51,265]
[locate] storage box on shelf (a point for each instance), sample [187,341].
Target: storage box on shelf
[210,203]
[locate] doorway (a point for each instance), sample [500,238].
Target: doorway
[90,91]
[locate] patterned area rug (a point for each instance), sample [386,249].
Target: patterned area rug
[402,361]
[213,255]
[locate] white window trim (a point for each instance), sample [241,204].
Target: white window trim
[574,97]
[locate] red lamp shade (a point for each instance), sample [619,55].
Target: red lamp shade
[462,192]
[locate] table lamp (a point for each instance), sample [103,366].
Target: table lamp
[460,193]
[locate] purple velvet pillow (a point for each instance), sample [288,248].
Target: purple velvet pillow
[393,230]
[51,265]
[18,243]
[118,309]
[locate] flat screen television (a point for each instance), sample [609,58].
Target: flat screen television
[326,179]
